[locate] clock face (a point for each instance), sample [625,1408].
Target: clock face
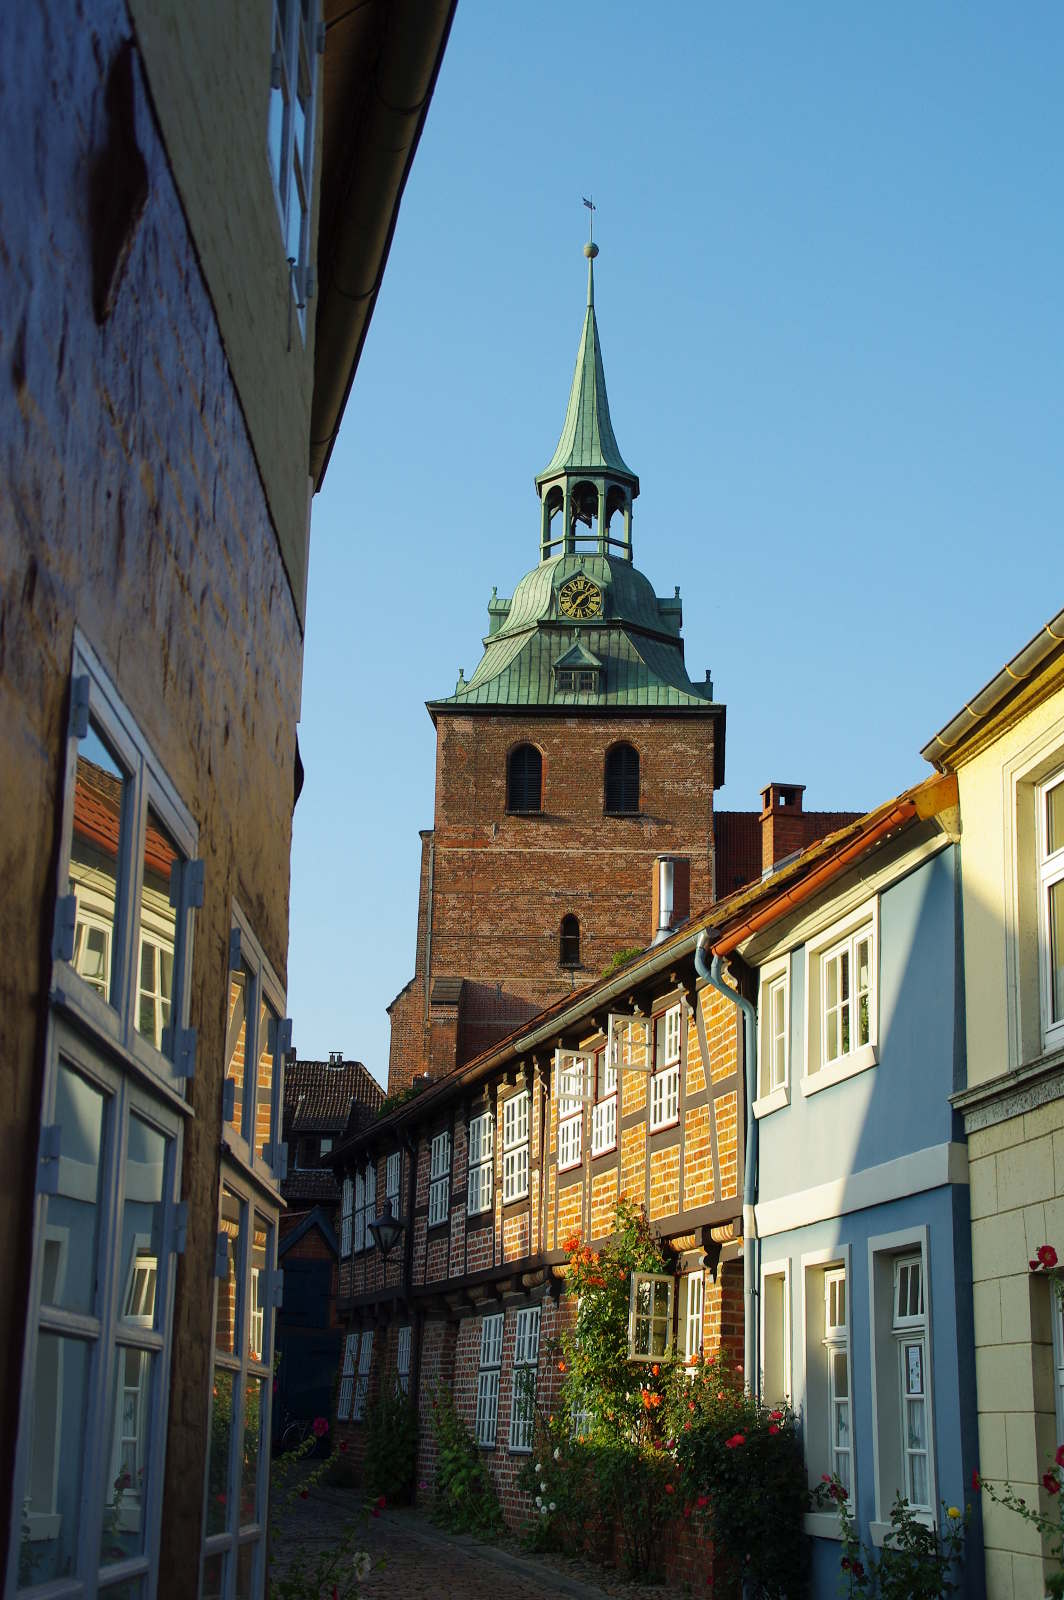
[580,598]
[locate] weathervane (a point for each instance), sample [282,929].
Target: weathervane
[591,219]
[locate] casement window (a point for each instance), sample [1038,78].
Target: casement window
[604,1111]
[291,132]
[247,1288]
[402,1360]
[842,1000]
[347,1211]
[481,1163]
[773,1016]
[365,1206]
[122,941]
[391,1179]
[347,1378]
[487,1413]
[515,1147]
[89,1457]
[837,1346]
[257,1038]
[690,1313]
[1051,908]
[910,1331]
[526,1364]
[650,1316]
[665,1084]
[627,1044]
[775,1335]
[365,1362]
[440,1179]
[573,1075]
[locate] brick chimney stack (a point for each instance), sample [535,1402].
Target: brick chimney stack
[783,827]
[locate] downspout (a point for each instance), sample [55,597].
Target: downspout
[713,975]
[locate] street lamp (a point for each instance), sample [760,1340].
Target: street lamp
[386,1230]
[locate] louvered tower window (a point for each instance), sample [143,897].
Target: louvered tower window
[569,944]
[622,779]
[524,778]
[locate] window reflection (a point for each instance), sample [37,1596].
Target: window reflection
[228,1307]
[241,989]
[264,1076]
[219,1447]
[70,1238]
[49,1533]
[122,1527]
[142,1222]
[158,927]
[95,857]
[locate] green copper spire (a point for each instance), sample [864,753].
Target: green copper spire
[588,442]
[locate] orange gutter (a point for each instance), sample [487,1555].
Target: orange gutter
[928,800]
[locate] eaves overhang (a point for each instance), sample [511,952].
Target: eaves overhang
[993,698]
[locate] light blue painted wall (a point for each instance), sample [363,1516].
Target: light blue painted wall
[901,1104]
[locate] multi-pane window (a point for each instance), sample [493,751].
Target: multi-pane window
[402,1360]
[515,1147]
[127,883]
[837,1345]
[365,1361]
[846,995]
[689,1314]
[256,1040]
[626,1043]
[238,1463]
[347,1211]
[347,1377]
[481,1162]
[291,130]
[391,1179]
[573,1078]
[910,1329]
[526,1362]
[1051,895]
[665,1084]
[604,1111]
[774,1041]
[440,1178]
[650,1316]
[487,1413]
[365,1206]
[102,1293]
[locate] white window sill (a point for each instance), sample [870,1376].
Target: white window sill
[837,1071]
[607,1150]
[512,1199]
[571,1166]
[43,1525]
[660,1127]
[880,1531]
[773,1102]
[478,1211]
[822,1525]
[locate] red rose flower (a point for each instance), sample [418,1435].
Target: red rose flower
[735,1441]
[1033,1264]
[1047,1256]
[669,1489]
[1050,1483]
[702,1502]
[304,1494]
[776,1416]
[319,1427]
[1059,1457]
[773,1427]
[381,1502]
[976,1484]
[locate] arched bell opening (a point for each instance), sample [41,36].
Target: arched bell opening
[551,535]
[583,512]
[617,530]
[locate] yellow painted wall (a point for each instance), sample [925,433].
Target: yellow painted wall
[208,67]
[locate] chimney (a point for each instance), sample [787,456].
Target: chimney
[336,1058]
[672,894]
[782,824]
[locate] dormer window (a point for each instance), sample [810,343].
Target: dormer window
[578,671]
[577,682]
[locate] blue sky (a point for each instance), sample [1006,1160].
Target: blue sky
[829,302]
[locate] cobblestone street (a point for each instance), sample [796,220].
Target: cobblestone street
[420,1562]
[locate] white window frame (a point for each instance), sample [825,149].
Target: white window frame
[604,1111]
[392,1178]
[573,1075]
[690,1316]
[665,1084]
[261,984]
[94,696]
[524,1381]
[891,1334]
[656,1319]
[365,1207]
[402,1358]
[1050,875]
[347,1377]
[105,1329]
[814,1400]
[837,1345]
[481,1194]
[842,935]
[253,1295]
[773,1044]
[516,1127]
[486,1419]
[625,1037]
[293,184]
[347,1213]
[362,1377]
[776,1287]
[440,1178]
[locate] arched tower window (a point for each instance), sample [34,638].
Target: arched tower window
[622,779]
[524,778]
[569,943]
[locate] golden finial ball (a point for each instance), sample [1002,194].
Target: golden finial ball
[591,251]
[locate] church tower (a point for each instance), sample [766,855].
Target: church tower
[577,758]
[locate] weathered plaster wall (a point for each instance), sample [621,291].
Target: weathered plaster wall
[131,504]
[208,68]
